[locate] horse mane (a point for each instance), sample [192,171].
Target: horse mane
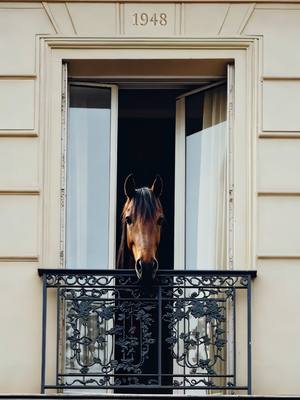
[124,258]
[144,206]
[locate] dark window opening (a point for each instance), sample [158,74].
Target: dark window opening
[194,113]
[146,147]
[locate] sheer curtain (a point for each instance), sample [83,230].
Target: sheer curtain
[206,186]
[206,178]
[87,207]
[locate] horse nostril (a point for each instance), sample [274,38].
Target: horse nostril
[146,270]
[155,267]
[138,268]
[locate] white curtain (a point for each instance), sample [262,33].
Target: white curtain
[206,204]
[206,186]
[87,188]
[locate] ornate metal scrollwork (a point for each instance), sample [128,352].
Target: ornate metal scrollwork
[116,333]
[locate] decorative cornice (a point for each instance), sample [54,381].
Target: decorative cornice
[71,42]
[160,1]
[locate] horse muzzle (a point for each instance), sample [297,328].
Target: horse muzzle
[146,272]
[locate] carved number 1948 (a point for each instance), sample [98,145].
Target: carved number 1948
[143,19]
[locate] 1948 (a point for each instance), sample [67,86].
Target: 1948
[142,19]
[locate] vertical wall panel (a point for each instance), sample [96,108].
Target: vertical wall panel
[19,162]
[16,104]
[19,226]
[278,165]
[276,328]
[281,101]
[20,344]
[279,225]
[18,30]
[281,31]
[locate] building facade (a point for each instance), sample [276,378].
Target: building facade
[254,47]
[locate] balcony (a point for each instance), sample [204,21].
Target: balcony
[189,331]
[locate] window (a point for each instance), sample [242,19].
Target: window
[89,144]
[147,130]
[204,136]
[115,129]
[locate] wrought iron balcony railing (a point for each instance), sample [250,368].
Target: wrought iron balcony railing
[111,332]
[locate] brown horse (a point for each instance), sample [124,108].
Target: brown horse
[142,218]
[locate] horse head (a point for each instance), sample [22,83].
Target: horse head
[142,218]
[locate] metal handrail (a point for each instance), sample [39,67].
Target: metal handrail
[188,315]
[116,272]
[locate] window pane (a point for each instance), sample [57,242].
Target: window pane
[206,181]
[87,206]
[193,113]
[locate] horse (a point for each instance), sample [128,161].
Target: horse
[142,219]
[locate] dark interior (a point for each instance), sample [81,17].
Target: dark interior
[146,147]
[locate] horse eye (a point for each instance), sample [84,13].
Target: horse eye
[128,220]
[160,220]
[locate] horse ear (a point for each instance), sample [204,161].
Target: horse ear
[157,186]
[129,186]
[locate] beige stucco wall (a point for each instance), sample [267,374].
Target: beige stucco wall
[276,324]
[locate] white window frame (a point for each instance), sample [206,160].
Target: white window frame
[180,161]
[112,165]
[180,177]
[242,51]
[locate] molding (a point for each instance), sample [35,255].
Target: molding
[184,43]
[280,78]
[18,77]
[19,258]
[278,257]
[279,135]
[158,1]
[284,4]
[16,4]
[18,134]
[52,50]
[273,194]
[151,79]
[20,191]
